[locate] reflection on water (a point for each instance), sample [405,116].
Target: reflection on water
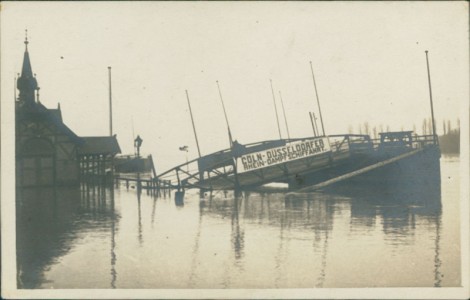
[50,222]
[103,238]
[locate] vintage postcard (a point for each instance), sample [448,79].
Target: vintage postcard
[241,150]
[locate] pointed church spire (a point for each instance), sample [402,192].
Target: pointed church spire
[27,84]
[26,70]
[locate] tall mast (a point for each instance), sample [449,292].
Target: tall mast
[275,108]
[194,127]
[315,122]
[430,99]
[225,114]
[110,104]
[313,126]
[318,101]
[285,118]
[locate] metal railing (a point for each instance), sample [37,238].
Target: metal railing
[188,174]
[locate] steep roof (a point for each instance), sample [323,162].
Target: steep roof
[38,112]
[26,70]
[27,83]
[95,145]
[27,108]
[56,113]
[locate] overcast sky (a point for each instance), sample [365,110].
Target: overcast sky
[368,60]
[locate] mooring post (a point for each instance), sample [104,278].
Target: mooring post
[98,187]
[178,178]
[93,170]
[237,193]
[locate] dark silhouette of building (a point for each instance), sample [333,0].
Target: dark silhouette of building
[47,151]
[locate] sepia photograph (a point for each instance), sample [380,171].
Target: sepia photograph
[221,150]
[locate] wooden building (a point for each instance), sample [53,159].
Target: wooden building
[96,158]
[47,151]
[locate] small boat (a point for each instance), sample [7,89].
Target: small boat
[133,164]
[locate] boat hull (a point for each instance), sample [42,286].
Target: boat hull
[417,172]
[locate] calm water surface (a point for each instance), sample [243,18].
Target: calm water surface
[118,239]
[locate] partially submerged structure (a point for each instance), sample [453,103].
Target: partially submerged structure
[96,157]
[48,152]
[307,164]
[398,160]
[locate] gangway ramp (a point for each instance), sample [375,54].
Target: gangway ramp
[344,157]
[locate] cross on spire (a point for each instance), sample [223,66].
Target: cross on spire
[26,39]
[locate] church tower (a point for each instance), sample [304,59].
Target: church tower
[27,84]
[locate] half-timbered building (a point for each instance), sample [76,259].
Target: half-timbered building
[47,151]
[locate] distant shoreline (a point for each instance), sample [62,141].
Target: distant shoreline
[450,142]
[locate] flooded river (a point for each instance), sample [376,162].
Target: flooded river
[103,238]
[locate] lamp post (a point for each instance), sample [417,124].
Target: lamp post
[137,143]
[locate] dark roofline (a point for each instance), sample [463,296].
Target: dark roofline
[38,111]
[60,124]
[92,151]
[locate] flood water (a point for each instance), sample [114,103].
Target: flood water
[100,238]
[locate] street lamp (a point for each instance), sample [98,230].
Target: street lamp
[137,143]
